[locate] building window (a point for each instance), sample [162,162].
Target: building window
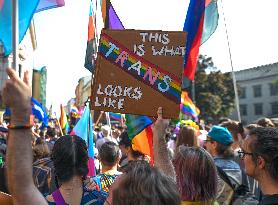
[257,91]
[258,107]
[243,110]
[274,108]
[242,92]
[273,89]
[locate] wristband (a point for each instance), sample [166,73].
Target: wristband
[20,127]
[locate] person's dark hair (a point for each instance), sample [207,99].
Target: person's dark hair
[39,141]
[234,127]
[40,151]
[119,127]
[109,153]
[70,158]
[224,119]
[124,140]
[196,174]
[252,126]
[145,185]
[207,127]
[265,122]
[266,146]
[224,151]
[97,129]
[187,136]
[51,132]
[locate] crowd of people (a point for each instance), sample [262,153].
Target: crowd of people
[226,163]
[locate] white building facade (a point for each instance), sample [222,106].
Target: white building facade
[258,93]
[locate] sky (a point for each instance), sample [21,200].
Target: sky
[62,36]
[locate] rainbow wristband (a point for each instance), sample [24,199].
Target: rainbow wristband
[20,127]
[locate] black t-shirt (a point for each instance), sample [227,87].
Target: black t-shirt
[269,200]
[3,185]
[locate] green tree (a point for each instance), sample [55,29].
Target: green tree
[275,81]
[213,90]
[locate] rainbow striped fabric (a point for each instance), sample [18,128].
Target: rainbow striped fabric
[64,120]
[187,107]
[140,132]
[173,93]
[115,116]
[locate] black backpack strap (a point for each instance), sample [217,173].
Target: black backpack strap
[222,174]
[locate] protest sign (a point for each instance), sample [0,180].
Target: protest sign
[138,71]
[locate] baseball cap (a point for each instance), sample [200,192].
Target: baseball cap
[221,135]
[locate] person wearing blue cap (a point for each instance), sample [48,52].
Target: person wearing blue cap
[219,144]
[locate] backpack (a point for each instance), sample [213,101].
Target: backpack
[241,195]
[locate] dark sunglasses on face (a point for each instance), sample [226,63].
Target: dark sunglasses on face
[208,140]
[242,154]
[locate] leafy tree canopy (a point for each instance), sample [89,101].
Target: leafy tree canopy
[213,90]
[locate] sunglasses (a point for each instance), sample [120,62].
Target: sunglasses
[242,154]
[208,140]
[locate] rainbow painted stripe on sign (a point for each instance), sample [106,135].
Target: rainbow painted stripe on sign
[166,83]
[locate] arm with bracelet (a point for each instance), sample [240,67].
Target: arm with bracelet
[17,95]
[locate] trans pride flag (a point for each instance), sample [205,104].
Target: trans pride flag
[187,107]
[200,23]
[26,10]
[84,130]
[49,4]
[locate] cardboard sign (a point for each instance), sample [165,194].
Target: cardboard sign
[5,199]
[139,71]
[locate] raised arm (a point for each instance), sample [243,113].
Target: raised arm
[17,96]
[161,156]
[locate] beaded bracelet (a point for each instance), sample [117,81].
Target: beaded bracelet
[20,127]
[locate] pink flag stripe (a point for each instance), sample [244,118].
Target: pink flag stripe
[1,4]
[207,2]
[91,167]
[49,4]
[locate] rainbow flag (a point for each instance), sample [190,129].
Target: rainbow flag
[115,116]
[64,120]
[140,132]
[84,130]
[187,107]
[200,23]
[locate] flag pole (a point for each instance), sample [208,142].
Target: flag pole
[106,25]
[99,117]
[108,120]
[231,62]
[15,33]
[59,124]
